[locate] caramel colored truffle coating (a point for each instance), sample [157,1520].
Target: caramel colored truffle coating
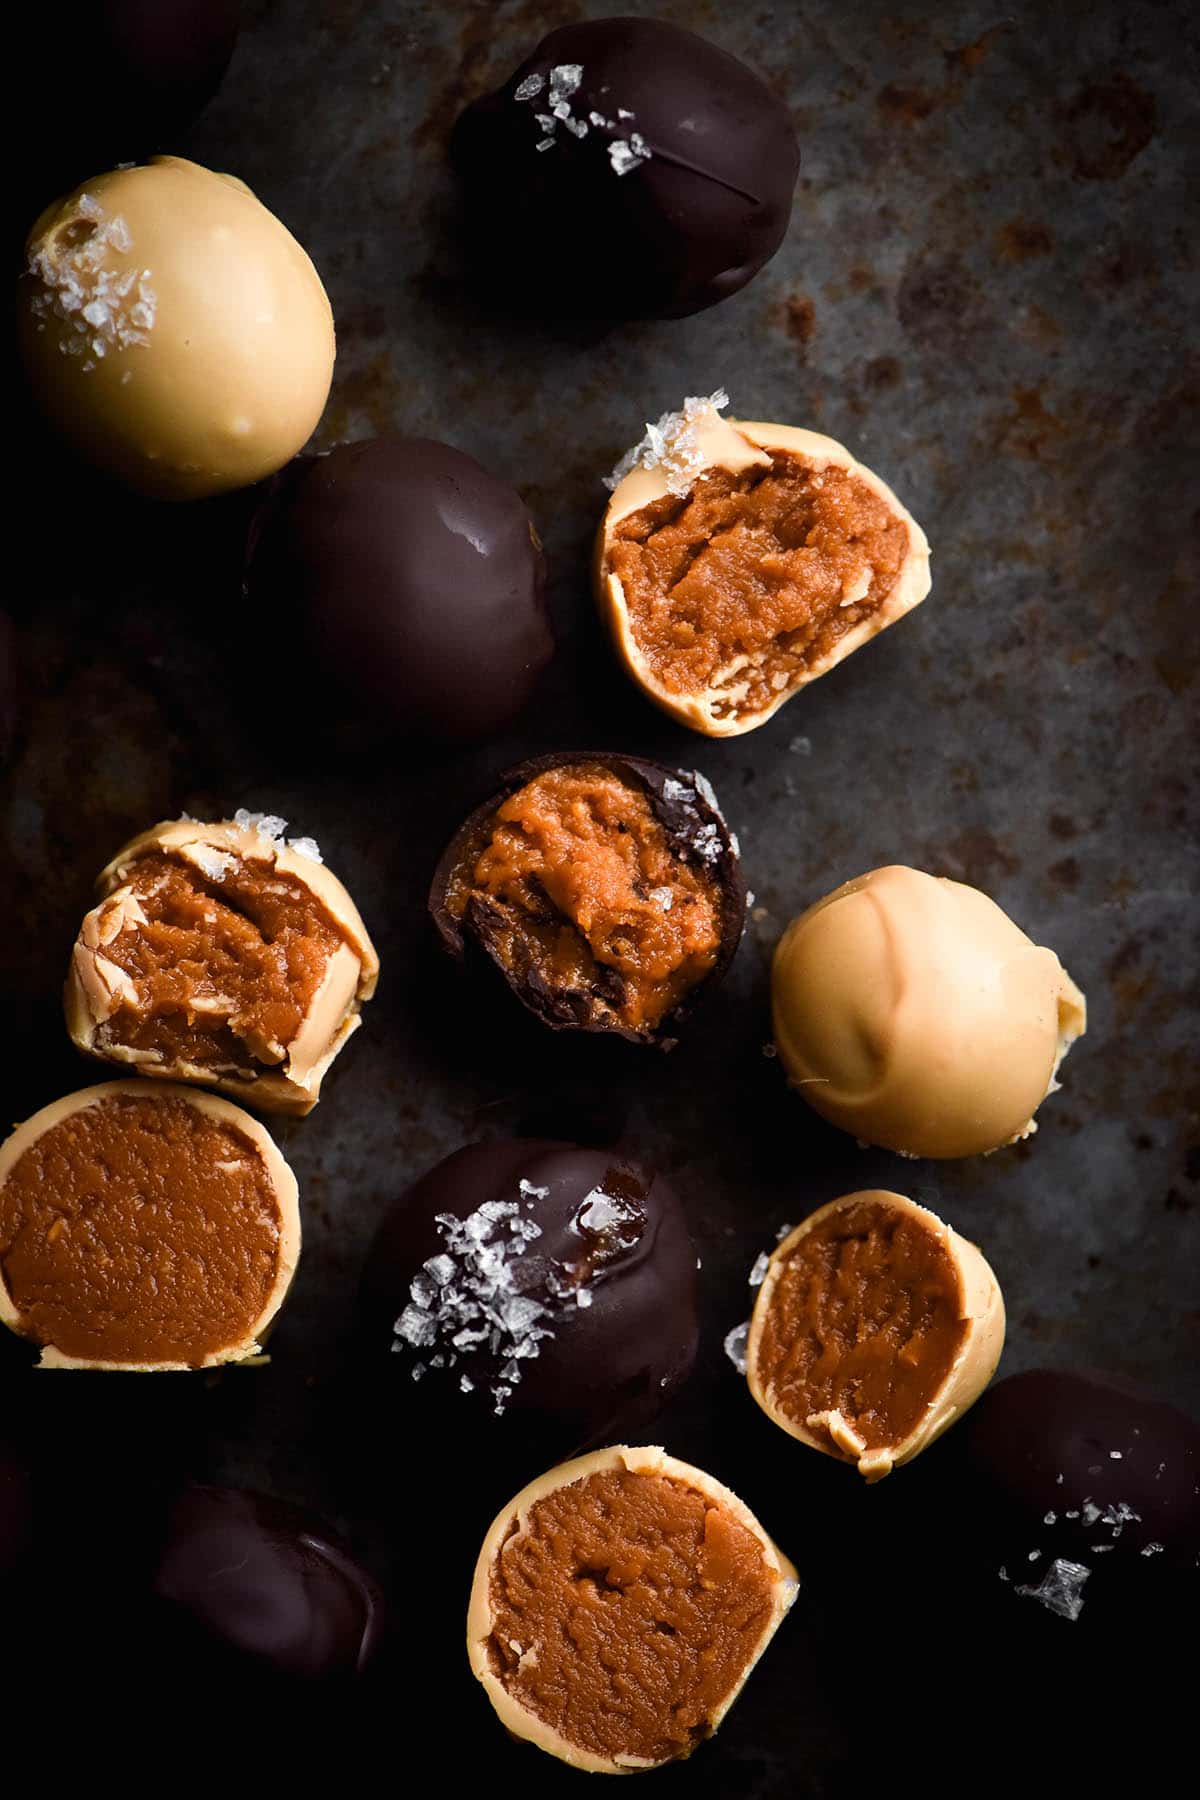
[619,1604]
[875,1327]
[912,1012]
[560,231]
[249,1581]
[216,365]
[144,1229]
[406,583]
[784,557]
[605,889]
[220,955]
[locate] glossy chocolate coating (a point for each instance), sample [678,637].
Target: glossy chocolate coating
[412,580]
[245,1576]
[559,230]
[1050,1442]
[684,805]
[607,1229]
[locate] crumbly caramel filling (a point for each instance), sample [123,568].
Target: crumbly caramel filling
[865,1320]
[224,967]
[752,580]
[139,1231]
[578,885]
[627,1611]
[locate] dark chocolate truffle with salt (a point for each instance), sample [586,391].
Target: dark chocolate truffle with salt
[535,1291]
[628,169]
[246,1581]
[1083,1485]
[409,582]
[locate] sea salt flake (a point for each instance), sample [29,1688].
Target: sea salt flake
[672,444]
[583,1296]
[801,746]
[1061,1588]
[1151,1550]
[531,1193]
[662,896]
[530,88]
[783,1229]
[735,1345]
[577,127]
[598,120]
[306,846]
[1051,1518]
[465,1384]
[564,80]
[623,112]
[546,143]
[1115,1455]
[625,157]
[417,1327]
[758,1273]
[268,825]
[214,863]
[1090,1512]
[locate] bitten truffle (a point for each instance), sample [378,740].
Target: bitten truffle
[619,1604]
[539,1289]
[249,1582]
[410,581]
[875,1327]
[606,890]
[737,562]
[173,330]
[224,954]
[145,1229]
[911,1011]
[628,169]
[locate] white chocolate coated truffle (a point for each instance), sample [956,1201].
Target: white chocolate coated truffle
[173,330]
[912,1012]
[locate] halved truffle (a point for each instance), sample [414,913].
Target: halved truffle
[911,1010]
[619,1604]
[875,1327]
[144,1228]
[605,889]
[222,954]
[737,562]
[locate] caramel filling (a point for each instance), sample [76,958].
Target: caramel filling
[742,588]
[224,968]
[864,1322]
[139,1231]
[626,1612]
[578,886]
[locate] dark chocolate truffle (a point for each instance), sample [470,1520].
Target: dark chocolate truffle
[245,1577]
[144,71]
[411,580]
[535,1290]
[1084,1494]
[628,169]
[605,889]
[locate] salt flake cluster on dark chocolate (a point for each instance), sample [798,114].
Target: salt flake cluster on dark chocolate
[474,1296]
[626,152]
[1061,1587]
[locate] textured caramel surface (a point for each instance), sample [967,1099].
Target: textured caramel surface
[139,1231]
[225,969]
[589,891]
[755,578]
[626,1612]
[863,1319]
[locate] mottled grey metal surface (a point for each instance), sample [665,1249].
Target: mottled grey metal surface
[983,294]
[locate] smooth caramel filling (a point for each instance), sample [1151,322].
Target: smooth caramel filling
[865,1321]
[627,1611]
[139,1231]
[578,885]
[741,588]
[224,967]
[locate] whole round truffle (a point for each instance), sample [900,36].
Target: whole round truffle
[264,1584]
[911,1011]
[415,579]
[535,1289]
[628,169]
[173,330]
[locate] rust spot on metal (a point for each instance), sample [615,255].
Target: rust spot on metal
[1065,873]
[1030,430]
[1107,125]
[1062,827]
[881,372]
[978,857]
[941,305]
[902,105]
[1020,240]
[800,322]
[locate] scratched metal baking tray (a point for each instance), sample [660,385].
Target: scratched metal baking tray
[982,293]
